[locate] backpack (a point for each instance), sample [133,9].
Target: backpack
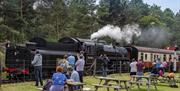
[47,85]
[161,73]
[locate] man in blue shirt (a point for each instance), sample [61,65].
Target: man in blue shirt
[158,64]
[74,76]
[71,59]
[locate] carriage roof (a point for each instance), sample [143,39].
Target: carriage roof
[155,50]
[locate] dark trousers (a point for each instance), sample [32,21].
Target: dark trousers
[80,75]
[38,75]
[104,71]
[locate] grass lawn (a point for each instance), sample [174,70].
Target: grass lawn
[29,86]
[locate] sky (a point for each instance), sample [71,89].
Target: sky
[174,5]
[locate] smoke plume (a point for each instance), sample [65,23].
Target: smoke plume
[154,37]
[125,33]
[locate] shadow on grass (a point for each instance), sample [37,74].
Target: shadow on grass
[144,89]
[163,85]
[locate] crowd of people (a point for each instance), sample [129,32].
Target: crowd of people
[158,67]
[68,70]
[71,68]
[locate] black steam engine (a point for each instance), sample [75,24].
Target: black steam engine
[19,57]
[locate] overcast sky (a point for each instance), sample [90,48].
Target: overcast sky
[174,5]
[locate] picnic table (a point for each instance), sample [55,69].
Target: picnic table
[74,85]
[117,86]
[149,81]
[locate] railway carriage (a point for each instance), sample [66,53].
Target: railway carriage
[149,55]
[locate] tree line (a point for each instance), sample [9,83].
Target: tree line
[21,20]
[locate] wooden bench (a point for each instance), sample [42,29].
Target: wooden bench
[117,83]
[75,84]
[116,88]
[150,80]
[114,84]
[87,89]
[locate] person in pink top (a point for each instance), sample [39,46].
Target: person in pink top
[140,67]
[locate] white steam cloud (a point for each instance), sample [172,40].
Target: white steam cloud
[125,33]
[154,37]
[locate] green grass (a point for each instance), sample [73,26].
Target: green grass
[29,86]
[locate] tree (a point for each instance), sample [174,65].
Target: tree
[103,12]
[168,17]
[117,12]
[138,9]
[52,15]
[147,21]
[52,19]
[176,30]
[82,18]
[10,34]
[156,12]
[16,14]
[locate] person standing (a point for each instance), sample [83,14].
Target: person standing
[80,67]
[104,64]
[140,67]
[133,70]
[170,64]
[71,60]
[154,70]
[158,64]
[64,63]
[37,63]
[165,65]
[175,64]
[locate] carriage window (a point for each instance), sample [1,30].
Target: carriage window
[142,56]
[145,56]
[170,57]
[157,56]
[154,57]
[151,56]
[164,58]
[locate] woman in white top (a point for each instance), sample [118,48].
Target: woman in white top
[133,69]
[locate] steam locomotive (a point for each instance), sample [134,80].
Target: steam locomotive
[19,57]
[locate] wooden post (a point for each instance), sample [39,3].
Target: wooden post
[24,64]
[120,70]
[179,69]
[94,72]
[0,72]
